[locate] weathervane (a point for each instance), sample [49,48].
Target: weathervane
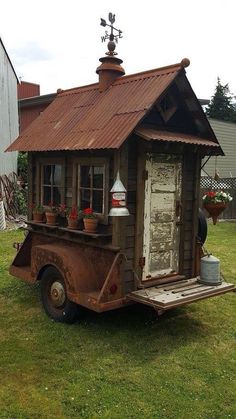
[111,44]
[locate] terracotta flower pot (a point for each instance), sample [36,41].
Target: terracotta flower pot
[72,223]
[215,210]
[90,225]
[51,218]
[38,217]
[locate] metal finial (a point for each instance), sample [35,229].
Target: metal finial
[112,37]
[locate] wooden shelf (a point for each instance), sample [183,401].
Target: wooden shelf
[57,228]
[85,233]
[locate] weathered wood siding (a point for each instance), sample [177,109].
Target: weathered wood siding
[131,220]
[8,113]
[191,181]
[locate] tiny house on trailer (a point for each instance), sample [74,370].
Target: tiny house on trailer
[151,128]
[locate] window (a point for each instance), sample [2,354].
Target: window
[92,185]
[51,184]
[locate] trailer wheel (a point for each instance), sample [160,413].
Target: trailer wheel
[202,226]
[54,297]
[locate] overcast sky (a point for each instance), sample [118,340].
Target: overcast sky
[57,44]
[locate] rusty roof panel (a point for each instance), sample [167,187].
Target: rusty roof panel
[84,118]
[153,134]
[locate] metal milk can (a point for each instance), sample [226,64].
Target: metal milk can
[210,270]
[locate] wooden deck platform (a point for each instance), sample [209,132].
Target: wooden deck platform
[175,294]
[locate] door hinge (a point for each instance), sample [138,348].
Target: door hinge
[142,262]
[145,175]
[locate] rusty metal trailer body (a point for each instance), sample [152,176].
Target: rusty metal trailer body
[91,272]
[92,275]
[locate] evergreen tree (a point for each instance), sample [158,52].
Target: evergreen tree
[220,106]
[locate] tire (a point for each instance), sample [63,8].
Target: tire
[54,298]
[202,226]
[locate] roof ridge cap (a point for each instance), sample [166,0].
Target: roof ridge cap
[85,87]
[171,66]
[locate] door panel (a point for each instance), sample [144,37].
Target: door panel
[161,213]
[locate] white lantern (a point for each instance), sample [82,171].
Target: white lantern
[118,199]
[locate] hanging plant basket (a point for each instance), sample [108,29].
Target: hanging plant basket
[215,203]
[215,209]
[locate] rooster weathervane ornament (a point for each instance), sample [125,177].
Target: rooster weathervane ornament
[112,37]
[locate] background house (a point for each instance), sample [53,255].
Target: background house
[31,103]
[9,112]
[225,166]
[222,167]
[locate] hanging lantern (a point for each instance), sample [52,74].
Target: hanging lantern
[118,199]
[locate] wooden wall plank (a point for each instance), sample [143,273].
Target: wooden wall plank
[140,196]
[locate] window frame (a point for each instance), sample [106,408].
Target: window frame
[97,162]
[49,161]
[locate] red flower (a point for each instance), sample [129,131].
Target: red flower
[74,213]
[88,211]
[211,194]
[62,207]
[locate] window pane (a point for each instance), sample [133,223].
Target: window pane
[57,174]
[46,195]
[47,175]
[85,198]
[56,195]
[85,176]
[98,176]
[97,201]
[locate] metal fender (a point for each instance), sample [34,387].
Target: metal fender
[84,268]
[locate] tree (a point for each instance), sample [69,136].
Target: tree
[220,106]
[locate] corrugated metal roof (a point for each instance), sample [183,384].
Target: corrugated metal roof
[84,118]
[153,134]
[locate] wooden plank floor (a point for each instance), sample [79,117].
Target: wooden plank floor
[179,293]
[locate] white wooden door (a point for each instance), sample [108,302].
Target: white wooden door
[162,212]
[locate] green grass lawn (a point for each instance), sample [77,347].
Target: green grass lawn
[121,364]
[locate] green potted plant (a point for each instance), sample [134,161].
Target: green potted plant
[215,203]
[51,213]
[72,218]
[90,220]
[38,213]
